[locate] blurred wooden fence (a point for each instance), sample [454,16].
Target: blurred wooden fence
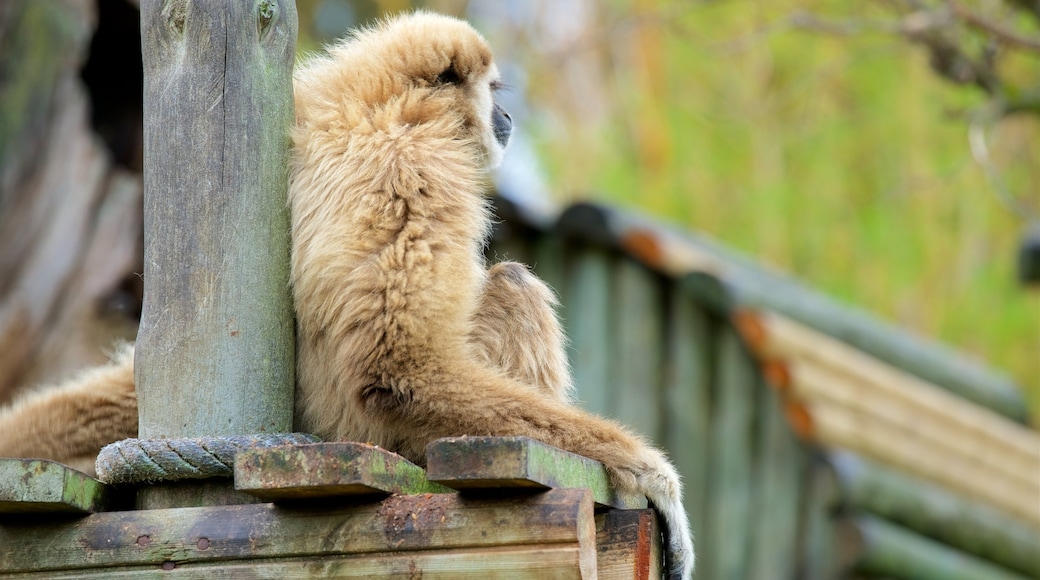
[692,346]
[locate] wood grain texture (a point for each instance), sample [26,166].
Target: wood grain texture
[408,526]
[628,545]
[215,351]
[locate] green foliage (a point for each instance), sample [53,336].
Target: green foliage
[842,159]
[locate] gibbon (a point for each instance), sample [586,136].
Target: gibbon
[404,335]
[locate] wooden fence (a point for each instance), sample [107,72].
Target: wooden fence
[814,441]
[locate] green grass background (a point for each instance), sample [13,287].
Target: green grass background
[842,160]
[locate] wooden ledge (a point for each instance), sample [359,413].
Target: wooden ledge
[468,463]
[34,486]
[294,472]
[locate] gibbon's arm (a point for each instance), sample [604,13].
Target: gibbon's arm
[498,406]
[515,329]
[70,423]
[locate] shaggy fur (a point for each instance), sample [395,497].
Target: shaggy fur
[403,335]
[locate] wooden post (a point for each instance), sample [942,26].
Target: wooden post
[215,353]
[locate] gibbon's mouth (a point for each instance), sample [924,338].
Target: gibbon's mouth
[501,124]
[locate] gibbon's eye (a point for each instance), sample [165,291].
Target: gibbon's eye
[449,77]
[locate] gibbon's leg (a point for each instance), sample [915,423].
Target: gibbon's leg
[70,423]
[516,329]
[460,398]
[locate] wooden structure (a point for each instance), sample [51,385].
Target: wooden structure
[214,368]
[815,442]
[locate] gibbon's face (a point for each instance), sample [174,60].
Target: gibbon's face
[492,123]
[451,60]
[420,69]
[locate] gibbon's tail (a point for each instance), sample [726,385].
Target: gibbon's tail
[72,421]
[497,406]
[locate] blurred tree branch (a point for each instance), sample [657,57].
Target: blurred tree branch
[965,44]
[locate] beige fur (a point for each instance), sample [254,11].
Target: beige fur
[403,335]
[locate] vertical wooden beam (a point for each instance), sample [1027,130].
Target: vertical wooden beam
[587,315]
[727,539]
[215,353]
[687,384]
[637,347]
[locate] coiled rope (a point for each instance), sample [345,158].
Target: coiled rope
[151,460]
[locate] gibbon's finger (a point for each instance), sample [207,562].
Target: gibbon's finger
[72,422]
[470,400]
[514,306]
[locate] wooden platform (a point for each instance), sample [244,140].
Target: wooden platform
[343,510]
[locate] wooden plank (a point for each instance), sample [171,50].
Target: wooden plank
[975,430]
[840,426]
[519,562]
[820,548]
[34,486]
[294,472]
[637,348]
[588,310]
[778,484]
[399,523]
[628,545]
[687,382]
[215,352]
[727,537]
[888,549]
[935,512]
[469,463]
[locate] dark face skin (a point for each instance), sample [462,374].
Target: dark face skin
[502,125]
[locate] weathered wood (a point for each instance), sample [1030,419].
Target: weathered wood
[935,512]
[510,562]
[328,469]
[887,549]
[687,384]
[902,447]
[637,348]
[588,310]
[435,524]
[628,546]
[215,351]
[824,367]
[191,493]
[778,484]
[38,486]
[727,537]
[469,463]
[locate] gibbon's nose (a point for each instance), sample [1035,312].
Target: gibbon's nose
[501,124]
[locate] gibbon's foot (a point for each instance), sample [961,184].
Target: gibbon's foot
[516,306]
